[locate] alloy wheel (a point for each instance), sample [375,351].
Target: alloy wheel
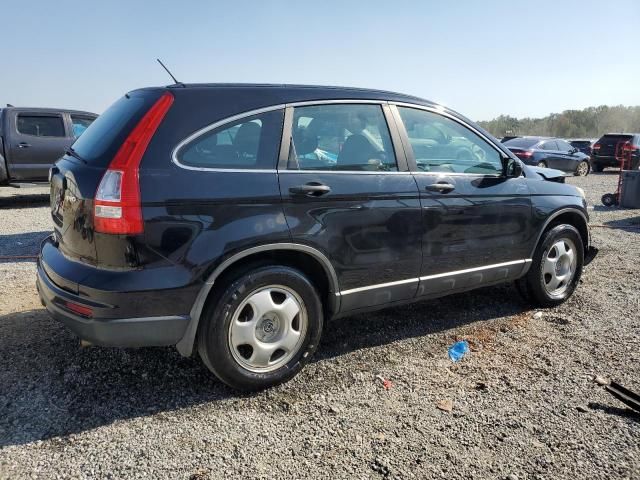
[559,267]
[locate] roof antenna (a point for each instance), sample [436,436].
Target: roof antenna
[170,74]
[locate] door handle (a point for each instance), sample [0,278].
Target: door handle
[312,189]
[24,145]
[441,187]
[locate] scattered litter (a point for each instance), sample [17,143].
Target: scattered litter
[458,350]
[335,408]
[386,383]
[445,405]
[601,380]
[537,315]
[582,409]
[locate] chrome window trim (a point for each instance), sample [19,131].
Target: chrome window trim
[220,123]
[282,106]
[523,261]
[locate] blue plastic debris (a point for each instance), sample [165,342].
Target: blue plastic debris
[458,350]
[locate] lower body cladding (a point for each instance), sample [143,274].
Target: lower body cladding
[431,286]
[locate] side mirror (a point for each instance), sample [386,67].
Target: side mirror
[573,150]
[513,168]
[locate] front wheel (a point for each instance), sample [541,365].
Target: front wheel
[583,169]
[555,269]
[263,329]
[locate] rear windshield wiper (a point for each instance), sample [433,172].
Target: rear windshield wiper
[74,154]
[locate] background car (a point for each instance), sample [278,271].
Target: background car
[550,152]
[610,148]
[582,144]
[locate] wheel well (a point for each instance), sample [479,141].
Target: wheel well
[302,261]
[575,219]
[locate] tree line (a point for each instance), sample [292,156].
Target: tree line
[592,122]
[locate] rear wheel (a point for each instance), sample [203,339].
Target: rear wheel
[556,267]
[583,169]
[263,329]
[542,164]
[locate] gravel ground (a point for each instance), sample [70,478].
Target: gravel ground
[523,402]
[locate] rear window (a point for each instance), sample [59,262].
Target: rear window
[615,138]
[41,125]
[99,143]
[521,142]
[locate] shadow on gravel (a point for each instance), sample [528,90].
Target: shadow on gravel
[21,244]
[631,225]
[621,412]
[24,201]
[49,387]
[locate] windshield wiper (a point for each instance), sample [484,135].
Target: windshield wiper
[74,154]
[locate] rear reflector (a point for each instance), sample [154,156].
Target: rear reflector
[79,309]
[117,207]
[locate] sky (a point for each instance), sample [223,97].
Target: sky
[481,58]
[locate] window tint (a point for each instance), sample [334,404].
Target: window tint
[563,146]
[442,145]
[100,142]
[549,145]
[249,143]
[521,142]
[80,124]
[351,137]
[41,126]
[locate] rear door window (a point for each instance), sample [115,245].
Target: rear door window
[80,124]
[349,137]
[563,146]
[247,144]
[441,144]
[39,125]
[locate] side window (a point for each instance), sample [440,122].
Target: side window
[249,143]
[442,145]
[40,125]
[351,137]
[80,124]
[550,145]
[563,146]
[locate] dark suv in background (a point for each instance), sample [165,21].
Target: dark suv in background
[612,147]
[32,139]
[234,220]
[547,152]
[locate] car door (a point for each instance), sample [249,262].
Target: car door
[552,156]
[568,157]
[37,140]
[476,219]
[347,192]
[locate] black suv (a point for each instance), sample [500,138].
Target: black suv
[234,220]
[611,148]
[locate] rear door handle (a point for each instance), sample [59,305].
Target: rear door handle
[312,189]
[440,187]
[24,145]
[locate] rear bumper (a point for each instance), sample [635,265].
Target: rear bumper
[110,331]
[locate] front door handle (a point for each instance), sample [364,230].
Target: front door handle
[441,187]
[24,145]
[312,189]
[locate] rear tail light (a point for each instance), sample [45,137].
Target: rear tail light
[524,154]
[596,146]
[629,148]
[117,208]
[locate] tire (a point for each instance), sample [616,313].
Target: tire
[583,169]
[537,286]
[597,168]
[241,331]
[609,200]
[541,164]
